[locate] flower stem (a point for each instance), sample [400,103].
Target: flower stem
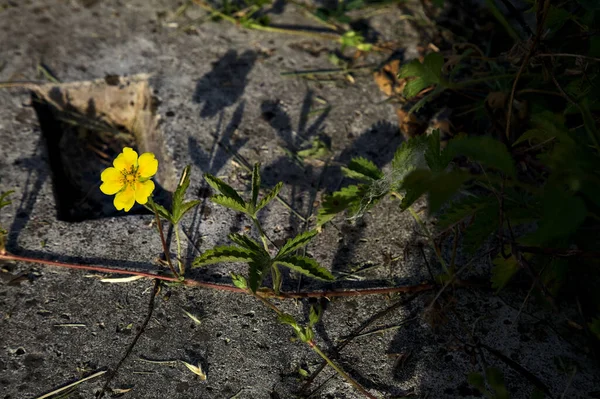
[339,370]
[162,239]
[263,236]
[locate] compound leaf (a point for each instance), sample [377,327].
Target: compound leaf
[246,242]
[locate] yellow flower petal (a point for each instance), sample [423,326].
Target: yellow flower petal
[112,181]
[125,199]
[147,165]
[127,160]
[143,190]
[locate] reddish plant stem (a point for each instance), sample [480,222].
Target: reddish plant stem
[223,287]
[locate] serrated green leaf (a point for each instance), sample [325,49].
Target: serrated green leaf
[229,202]
[288,319]
[295,243]
[563,213]
[546,126]
[408,157]
[162,211]
[440,187]
[318,150]
[182,186]
[424,75]
[503,271]
[477,380]
[462,209]
[268,197]
[496,380]
[306,266]
[223,188]
[437,159]
[255,183]
[486,150]
[3,201]
[315,315]
[360,168]
[277,278]
[224,254]
[239,281]
[484,224]
[257,269]
[185,207]
[246,242]
[338,202]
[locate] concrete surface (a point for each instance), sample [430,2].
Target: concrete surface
[222,83]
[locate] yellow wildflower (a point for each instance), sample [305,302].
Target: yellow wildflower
[130,178]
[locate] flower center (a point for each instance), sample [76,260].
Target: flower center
[130,176]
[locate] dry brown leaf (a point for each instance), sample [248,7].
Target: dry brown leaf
[409,124]
[386,78]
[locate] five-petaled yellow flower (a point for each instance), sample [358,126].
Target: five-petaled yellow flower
[130,178]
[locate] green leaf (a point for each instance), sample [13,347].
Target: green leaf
[178,209]
[496,381]
[3,198]
[440,187]
[595,327]
[477,380]
[503,271]
[546,126]
[239,281]
[338,202]
[229,202]
[483,149]
[224,254]
[462,209]
[258,267]
[288,319]
[295,243]
[162,211]
[408,157]
[223,188]
[563,213]
[268,197]
[315,315]
[255,184]
[484,224]
[424,75]
[437,159]
[318,150]
[360,168]
[185,207]
[246,242]
[306,266]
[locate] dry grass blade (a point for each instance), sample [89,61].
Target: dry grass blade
[69,386]
[195,369]
[196,320]
[117,280]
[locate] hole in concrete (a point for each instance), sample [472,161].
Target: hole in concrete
[85,126]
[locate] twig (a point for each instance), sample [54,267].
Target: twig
[223,287]
[137,337]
